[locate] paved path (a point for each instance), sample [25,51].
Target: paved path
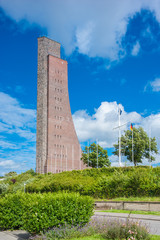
[152,222]
[14,235]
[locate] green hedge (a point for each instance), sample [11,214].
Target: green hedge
[99,183]
[39,212]
[71,183]
[102,183]
[11,211]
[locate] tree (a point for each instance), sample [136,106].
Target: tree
[10,174]
[89,156]
[141,148]
[31,171]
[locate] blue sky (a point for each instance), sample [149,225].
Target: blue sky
[113,54]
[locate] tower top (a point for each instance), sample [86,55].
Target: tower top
[48,39]
[47,46]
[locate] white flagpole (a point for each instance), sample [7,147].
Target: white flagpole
[132,147]
[119,137]
[97,154]
[150,146]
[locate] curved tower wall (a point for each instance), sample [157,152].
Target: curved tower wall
[58,148]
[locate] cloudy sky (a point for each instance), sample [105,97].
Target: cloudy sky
[113,54]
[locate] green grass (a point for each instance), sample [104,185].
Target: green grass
[155,237]
[133,212]
[133,199]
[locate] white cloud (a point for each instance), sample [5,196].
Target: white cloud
[136,49]
[94,27]
[155,85]
[84,37]
[14,117]
[19,160]
[5,144]
[8,164]
[151,124]
[99,126]
[18,135]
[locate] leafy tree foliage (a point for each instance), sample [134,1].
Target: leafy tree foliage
[10,174]
[32,172]
[141,148]
[89,156]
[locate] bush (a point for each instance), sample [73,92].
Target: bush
[39,212]
[63,182]
[125,230]
[12,208]
[108,229]
[99,183]
[3,187]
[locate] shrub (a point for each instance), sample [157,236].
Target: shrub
[19,187]
[10,174]
[125,230]
[3,187]
[39,212]
[108,229]
[68,232]
[63,182]
[99,183]
[12,207]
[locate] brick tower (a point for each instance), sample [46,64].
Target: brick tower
[57,148]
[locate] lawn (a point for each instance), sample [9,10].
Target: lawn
[132,199]
[132,212]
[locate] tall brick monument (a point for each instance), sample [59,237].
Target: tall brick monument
[58,148]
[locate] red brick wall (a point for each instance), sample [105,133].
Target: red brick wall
[46,46]
[57,148]
[64,151]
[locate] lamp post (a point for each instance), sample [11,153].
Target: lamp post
[24,187]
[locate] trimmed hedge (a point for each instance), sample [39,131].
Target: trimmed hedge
[11,211]
[39,212]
